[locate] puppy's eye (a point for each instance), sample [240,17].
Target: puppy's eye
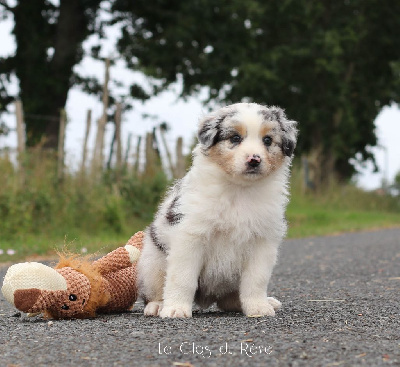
[235,139]
[267,140]
[72,297]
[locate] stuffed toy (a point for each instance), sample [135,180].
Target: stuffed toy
[76,287]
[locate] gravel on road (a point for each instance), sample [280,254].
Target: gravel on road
[341,307]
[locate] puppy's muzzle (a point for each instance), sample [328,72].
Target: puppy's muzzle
[253,160]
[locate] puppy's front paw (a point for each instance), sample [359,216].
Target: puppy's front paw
[274,303]
[176,311]
[152,308]
[258,308]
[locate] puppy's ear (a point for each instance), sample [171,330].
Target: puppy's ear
[288,146]
[289,137]
[208,133]
[210,128]
[288,129]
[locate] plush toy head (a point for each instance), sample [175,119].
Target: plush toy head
[76,288]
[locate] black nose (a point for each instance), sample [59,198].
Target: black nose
[254,160]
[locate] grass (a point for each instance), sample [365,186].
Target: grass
[315,220]
[337,209]
[40,214]
[45,245]
[82,214]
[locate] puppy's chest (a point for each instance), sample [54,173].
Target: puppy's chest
[234,214]
[223,259]
[238,217]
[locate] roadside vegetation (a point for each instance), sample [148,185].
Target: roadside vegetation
[82,214]
[339,208]
[313,66]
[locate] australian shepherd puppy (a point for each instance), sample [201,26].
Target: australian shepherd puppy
[216,235]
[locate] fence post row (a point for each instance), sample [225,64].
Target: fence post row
[152,153]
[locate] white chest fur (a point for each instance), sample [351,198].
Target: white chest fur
[240,213]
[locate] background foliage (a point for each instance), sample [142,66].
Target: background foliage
[330,64]
[40,215]
[333,65]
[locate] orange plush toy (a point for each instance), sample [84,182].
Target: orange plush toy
[76,288]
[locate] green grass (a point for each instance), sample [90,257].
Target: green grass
[45,245]
[39,214]
[42,215]
[318,221]
[337,209]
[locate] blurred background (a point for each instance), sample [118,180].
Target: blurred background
[99,102]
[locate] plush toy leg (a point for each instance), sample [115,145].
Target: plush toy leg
[122,257]
[116,260]
[133,252]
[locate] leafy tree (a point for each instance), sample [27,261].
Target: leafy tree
[49,41]
[333,65]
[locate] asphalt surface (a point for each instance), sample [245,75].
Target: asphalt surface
[341,307]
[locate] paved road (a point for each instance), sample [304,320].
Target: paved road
[341,298]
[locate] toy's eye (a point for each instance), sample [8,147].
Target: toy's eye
[235,139]
[72,297]
[267,140]
[65,307]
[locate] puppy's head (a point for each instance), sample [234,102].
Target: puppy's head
[248,140]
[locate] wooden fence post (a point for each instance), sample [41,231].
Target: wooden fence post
[111,152]
[180,159]
[127,151]
[151,156]
[118,163]
[19,114]
[61,141]
[169,158]
[98,156]
[84,153]
[137,157]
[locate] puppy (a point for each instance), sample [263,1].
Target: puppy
[216,235]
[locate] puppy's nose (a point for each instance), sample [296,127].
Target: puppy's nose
[253,160]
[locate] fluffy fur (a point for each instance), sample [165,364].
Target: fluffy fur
[216,235]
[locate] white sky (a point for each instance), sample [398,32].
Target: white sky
[181,116]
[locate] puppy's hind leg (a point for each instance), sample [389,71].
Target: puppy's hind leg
[151,274]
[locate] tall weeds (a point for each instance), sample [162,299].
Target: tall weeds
[79,204]
[39,213]
[339,196]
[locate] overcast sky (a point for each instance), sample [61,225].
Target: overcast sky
[181,116]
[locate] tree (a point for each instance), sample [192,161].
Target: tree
[331,65]
[49,44]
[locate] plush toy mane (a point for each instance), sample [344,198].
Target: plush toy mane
[98,295]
